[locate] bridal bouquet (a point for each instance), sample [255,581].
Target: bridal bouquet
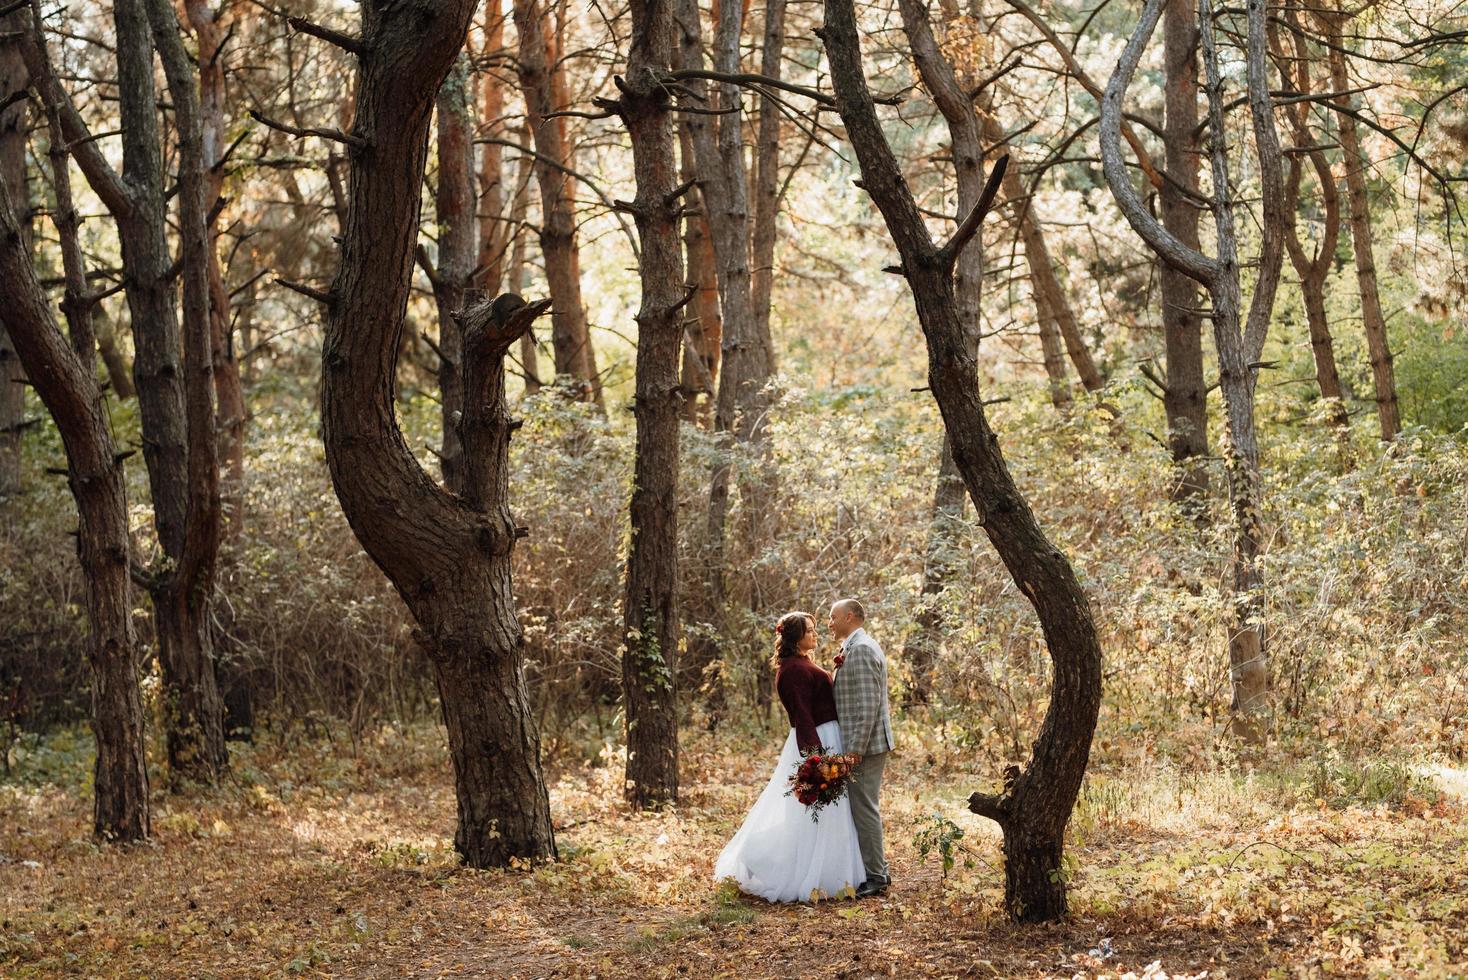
[820,780]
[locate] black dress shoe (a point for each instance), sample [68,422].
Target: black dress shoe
[873,886]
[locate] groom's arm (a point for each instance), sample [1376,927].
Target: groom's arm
[858,700]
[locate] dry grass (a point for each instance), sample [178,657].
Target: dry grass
[322,861]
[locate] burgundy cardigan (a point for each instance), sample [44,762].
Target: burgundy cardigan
[805,691]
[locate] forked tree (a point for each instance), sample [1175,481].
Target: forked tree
[173,366]
[66,381]
[1239,339]
[1036,802]
[447,554]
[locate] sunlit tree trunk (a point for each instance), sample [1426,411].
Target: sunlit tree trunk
[1239,340]
[1313,270]
[1374,322]
[704,329]
[539,68]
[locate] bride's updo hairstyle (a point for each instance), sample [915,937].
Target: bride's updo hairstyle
[789,631]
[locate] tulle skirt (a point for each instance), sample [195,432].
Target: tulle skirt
[780,854]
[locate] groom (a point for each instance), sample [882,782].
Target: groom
[866,732]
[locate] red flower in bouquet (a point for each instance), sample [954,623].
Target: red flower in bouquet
[820,780]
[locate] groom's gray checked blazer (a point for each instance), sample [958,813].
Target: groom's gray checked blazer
[866,729]
[861,696]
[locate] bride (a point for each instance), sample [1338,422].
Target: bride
[780,854]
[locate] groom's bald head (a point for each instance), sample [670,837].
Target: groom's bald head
[846,616]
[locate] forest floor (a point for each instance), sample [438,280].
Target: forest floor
[323,858]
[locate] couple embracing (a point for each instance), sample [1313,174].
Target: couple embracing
[780,854]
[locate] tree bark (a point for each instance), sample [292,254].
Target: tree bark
[67,385]
[233,411]
[1314,270]
[182,592]
[448,556]
[1383,376]
[539,68]
[746,364]
[1185,396]
[704,328]
[651,634]
[454,204]
[119,369]
[1037,802]
[767,168]
[175,397]
[13,78]
[952,97]
[1239,344]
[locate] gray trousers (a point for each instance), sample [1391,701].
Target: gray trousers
[865,794]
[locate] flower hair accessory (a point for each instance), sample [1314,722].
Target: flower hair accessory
[779,629]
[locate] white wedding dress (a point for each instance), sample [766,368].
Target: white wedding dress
[780,854]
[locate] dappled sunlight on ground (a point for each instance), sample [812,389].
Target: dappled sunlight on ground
[318,861]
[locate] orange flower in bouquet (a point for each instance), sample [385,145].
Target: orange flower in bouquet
[821,779]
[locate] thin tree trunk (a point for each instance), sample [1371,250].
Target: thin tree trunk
[448,556]
[704,328]
[1184,397]
[745,365]
[495,230]
[67,385]
[952,95]
[515,276]
[1383,376]
[1037,802]
[207,22]
[767,168]
[454,203]
[1050,297]
[1051,350]
[13,78]
[1239,344]
[119,371]
[570,334]
[1314,270]
[650,603]
[183,592]
[175,389]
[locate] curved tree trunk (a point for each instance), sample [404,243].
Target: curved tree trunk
[1037,802]
[172,368]
[67,385]
[448,556]
[1239,341]
[1313,270]
[650,634]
